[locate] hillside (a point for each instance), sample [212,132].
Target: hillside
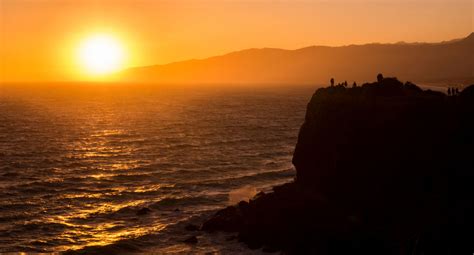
[446,62]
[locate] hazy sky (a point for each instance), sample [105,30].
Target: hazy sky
[38,37]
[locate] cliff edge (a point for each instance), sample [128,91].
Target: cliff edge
[383,168]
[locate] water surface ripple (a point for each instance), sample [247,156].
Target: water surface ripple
[78,161]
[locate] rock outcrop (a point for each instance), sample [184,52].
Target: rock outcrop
[385,168]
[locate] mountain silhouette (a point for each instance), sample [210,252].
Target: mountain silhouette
[451,61]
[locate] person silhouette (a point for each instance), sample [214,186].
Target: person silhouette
[345,84]
[379,77]
[354,84]
[332,82]
[449,91]
[457,91]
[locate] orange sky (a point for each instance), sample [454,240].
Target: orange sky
[38,37]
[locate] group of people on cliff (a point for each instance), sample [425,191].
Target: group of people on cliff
[453,91]
[343,84]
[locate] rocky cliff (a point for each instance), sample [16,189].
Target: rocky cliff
[383,168]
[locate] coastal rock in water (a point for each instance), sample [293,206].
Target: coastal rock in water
[383,168]
[228,219]
[191,240]
[143,211]
[191,227]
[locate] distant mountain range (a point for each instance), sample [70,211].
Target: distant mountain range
[445,62]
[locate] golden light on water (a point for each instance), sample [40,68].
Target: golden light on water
[101,54]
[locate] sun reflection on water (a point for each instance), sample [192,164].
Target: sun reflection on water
[102,235]
[86,226]
[101,232]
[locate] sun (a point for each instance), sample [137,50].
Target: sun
[101,54]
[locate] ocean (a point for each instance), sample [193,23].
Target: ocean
[78,161]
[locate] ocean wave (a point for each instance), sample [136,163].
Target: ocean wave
[176,202]
[92,164]
[235,179]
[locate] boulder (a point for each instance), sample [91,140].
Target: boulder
[191,227]
[228,219]
[143,211]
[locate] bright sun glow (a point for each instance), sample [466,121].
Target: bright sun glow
[101,54]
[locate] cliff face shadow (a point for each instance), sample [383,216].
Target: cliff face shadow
[383,168]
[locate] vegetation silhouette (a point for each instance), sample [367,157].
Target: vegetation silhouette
[383,168]
[379,77]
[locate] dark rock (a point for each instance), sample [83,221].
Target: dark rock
[243,206]
[230,238]
[468,93]
[254,245]
[228,219]
[412,87]
[143,211]
[259,194]
[385,168]
[269,249]
[191,240]
[191,227]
